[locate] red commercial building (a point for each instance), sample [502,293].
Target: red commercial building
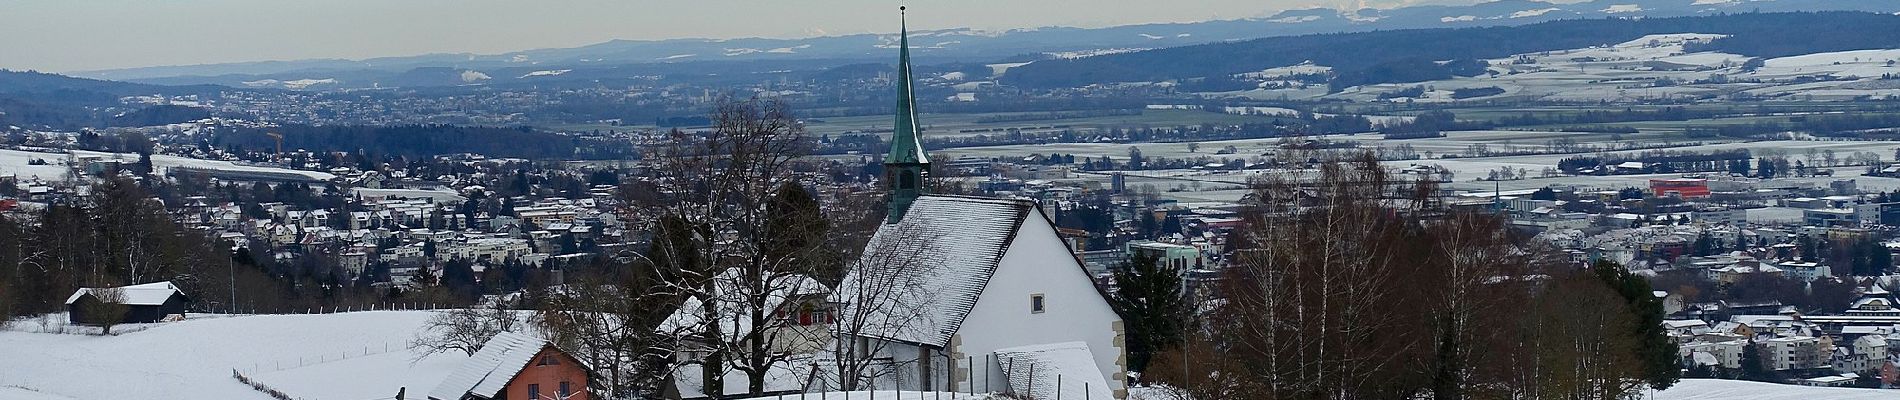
[1683,188]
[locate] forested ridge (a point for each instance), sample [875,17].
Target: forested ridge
[1411,55]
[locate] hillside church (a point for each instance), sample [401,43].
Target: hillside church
[992,301]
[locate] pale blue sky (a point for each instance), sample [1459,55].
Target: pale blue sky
[74,35]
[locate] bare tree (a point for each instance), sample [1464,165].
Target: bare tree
[465,329]
[714,249]
[612,323]
[106,308]
[882,295]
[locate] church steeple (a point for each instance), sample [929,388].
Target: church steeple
[906,166]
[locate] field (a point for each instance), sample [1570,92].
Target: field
[19,163]
[307,356]
[1200,185]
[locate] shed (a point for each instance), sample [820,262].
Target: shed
[150,302]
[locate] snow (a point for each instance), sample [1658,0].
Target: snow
[1713,2]
[1533,13]
[489,370]
[16,162]
[1303,68]
[677,56]
[1623,8]
[966,237]
[1033,371]
[1461,18]
[1717,389]
[1094,52]
[884,395]
[301,84]
[303,355]
[1295,19]
[149,294]
[472,76]
[546,73]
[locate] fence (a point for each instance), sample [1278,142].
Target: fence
[386,306]
[326,357]
[977,382]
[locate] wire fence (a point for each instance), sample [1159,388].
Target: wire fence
[328,356]
[279,310]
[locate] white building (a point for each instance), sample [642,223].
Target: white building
[992,285]
[1793,352]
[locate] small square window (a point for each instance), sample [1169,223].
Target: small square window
[1035,303]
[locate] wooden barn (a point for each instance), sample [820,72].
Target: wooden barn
[151,302]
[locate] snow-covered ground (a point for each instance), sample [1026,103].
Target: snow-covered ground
[347,356]
[881,395]
[1717,389]
[1629,71]
[17,163]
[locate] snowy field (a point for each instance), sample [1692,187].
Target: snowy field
[1716,389]
[1623,72]
[307,356]
[18,163]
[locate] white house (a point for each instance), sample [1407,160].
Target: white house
[993,287]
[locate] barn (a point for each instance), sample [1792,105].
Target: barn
[150,302]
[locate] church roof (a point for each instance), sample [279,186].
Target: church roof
[906,145]
[932,266]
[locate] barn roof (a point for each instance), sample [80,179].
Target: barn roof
[487,372]
[956,241]
[150,294]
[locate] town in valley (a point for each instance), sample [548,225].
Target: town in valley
[1511,199]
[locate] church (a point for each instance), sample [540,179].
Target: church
[992,301]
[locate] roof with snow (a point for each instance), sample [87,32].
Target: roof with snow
[1033,371]
[957,242]
[733,294]
[150,294]
[486,373]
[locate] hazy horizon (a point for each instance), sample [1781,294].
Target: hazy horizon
[192,32]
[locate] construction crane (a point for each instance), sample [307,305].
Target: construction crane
[280,143]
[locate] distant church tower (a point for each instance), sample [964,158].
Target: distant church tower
[906,167]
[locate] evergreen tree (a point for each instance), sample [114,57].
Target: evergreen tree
[795,234]
[1657,351]
[1152,307]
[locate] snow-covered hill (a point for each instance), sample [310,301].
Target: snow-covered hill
[347,356]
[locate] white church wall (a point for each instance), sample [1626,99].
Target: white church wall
[1038,263]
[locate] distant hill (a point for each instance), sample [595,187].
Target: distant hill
[41,100]
[1421,54]
[619,57]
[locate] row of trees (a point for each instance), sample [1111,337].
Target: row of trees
[1334,293]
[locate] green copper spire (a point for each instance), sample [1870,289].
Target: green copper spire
[906,168]
[905,144]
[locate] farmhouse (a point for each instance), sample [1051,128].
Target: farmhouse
[150,302]
[515,366]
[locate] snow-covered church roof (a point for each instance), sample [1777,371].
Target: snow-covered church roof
[951,245]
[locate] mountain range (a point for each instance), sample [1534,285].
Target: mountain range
[620,58]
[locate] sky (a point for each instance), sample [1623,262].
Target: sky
[82,35]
